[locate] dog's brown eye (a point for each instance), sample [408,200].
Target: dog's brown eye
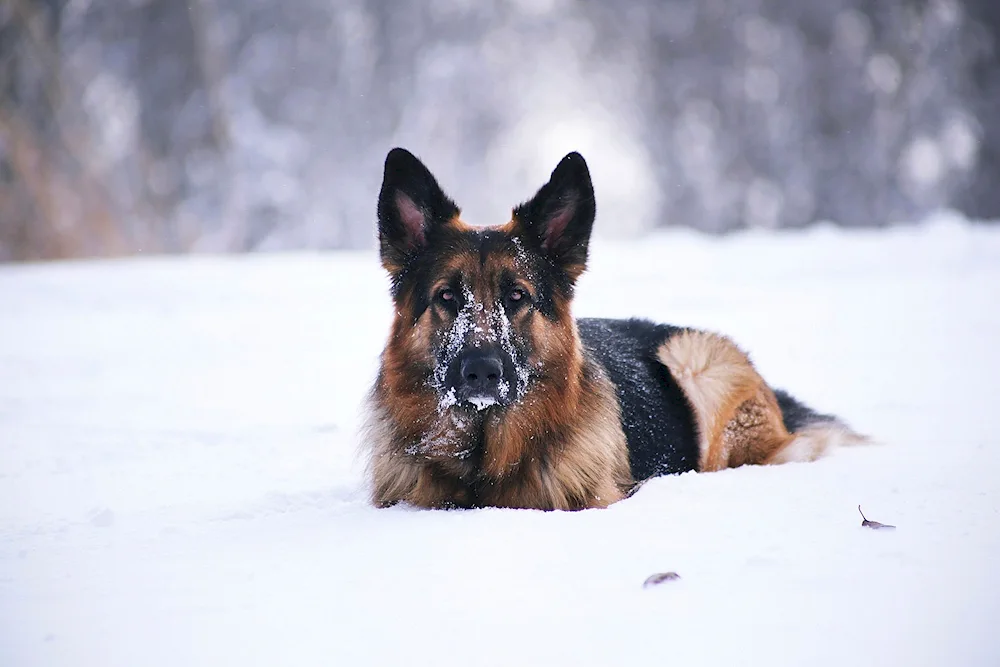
[446,295]
[516,294]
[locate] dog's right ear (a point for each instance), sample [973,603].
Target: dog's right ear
[410,206]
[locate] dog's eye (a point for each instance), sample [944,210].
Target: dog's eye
[447,295]
[517,294]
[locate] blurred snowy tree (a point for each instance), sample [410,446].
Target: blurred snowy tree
[233,125]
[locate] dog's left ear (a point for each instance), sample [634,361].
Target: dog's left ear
[559,218]
[411,206]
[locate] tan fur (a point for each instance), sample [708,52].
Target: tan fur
[583,461]
[424,478]
[583,465]
[736,414]
[813,441]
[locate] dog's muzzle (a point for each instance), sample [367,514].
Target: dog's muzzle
[478,378]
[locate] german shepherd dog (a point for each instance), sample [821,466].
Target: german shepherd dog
[490,393]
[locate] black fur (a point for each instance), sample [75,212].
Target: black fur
[656,417]
[796,415]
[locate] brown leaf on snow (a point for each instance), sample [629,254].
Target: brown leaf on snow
[873,524]
[659,578]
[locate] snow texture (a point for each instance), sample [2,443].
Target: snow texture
[482,402]
[179,482]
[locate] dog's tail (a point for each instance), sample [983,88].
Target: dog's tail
[739,419]
[812,433]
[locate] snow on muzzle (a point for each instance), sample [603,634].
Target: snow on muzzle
[478,359]
[482,376]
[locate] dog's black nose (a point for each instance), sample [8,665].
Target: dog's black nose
[481,372]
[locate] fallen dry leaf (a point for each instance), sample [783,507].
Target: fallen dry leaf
[659,578]
[875,525]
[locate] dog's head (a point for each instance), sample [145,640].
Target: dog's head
[482,313]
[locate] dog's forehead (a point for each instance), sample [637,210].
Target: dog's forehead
[482,254]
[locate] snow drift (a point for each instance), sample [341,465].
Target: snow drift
[179,482]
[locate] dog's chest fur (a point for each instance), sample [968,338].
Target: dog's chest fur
[560,447]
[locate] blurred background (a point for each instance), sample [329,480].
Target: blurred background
[162,126]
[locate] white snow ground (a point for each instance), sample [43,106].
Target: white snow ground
[179,484]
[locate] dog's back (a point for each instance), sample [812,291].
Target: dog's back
[659,427]
[691,400]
